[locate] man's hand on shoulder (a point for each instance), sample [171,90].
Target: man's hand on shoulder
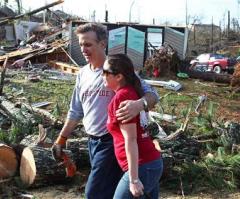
[128,109]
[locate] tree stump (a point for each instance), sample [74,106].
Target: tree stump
[8,161]
[38,168]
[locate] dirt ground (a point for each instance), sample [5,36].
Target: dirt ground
[75,190]
[63,192]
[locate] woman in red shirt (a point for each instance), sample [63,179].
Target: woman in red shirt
[139,159]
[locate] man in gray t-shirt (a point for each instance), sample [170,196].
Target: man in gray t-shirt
[89,102]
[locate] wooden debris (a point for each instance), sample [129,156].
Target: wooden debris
[4,68]
[8,161]
[64,67]
[69,56]
[18,53]
[30,52]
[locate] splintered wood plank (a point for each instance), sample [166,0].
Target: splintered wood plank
[64,67]
[8,161]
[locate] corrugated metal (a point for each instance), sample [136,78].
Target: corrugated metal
[117,49]
[75,50]
[177,40]
[136,57]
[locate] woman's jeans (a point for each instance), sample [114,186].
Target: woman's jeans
[149,174]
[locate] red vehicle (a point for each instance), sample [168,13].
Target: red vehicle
[213,62]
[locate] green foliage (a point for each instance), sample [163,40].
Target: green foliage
[56,110]
[220,171]
[204,121]
[3,136]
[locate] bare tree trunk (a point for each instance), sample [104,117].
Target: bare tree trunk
[210,76]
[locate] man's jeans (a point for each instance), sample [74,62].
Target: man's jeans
[149,174]
[105,171]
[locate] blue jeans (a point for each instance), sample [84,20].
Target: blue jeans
[105,172]
[149,174]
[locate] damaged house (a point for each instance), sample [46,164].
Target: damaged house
[136,40]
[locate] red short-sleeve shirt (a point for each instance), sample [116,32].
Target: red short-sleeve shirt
[146,149]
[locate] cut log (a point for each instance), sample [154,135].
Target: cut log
[79,149]
[8,161]
[38,168]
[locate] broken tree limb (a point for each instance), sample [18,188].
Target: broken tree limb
[201,100]
[16,114]
[38,168]
[210,76]
[4,68]
[40,140]
[8,161]
[182,128]
[53,121]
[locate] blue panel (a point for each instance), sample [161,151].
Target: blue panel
[117,37]
[136,40]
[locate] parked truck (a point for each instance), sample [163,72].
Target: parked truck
[217,63]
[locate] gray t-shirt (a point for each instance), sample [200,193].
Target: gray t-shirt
[90,100]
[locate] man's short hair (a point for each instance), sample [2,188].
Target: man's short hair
[98,28]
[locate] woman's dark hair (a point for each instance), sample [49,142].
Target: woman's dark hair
[121,63]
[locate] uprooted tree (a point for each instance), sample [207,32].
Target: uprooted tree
[164,62]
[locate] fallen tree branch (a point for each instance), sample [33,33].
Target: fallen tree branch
[210,76]
[54,121]
[182,128]
[16,114]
